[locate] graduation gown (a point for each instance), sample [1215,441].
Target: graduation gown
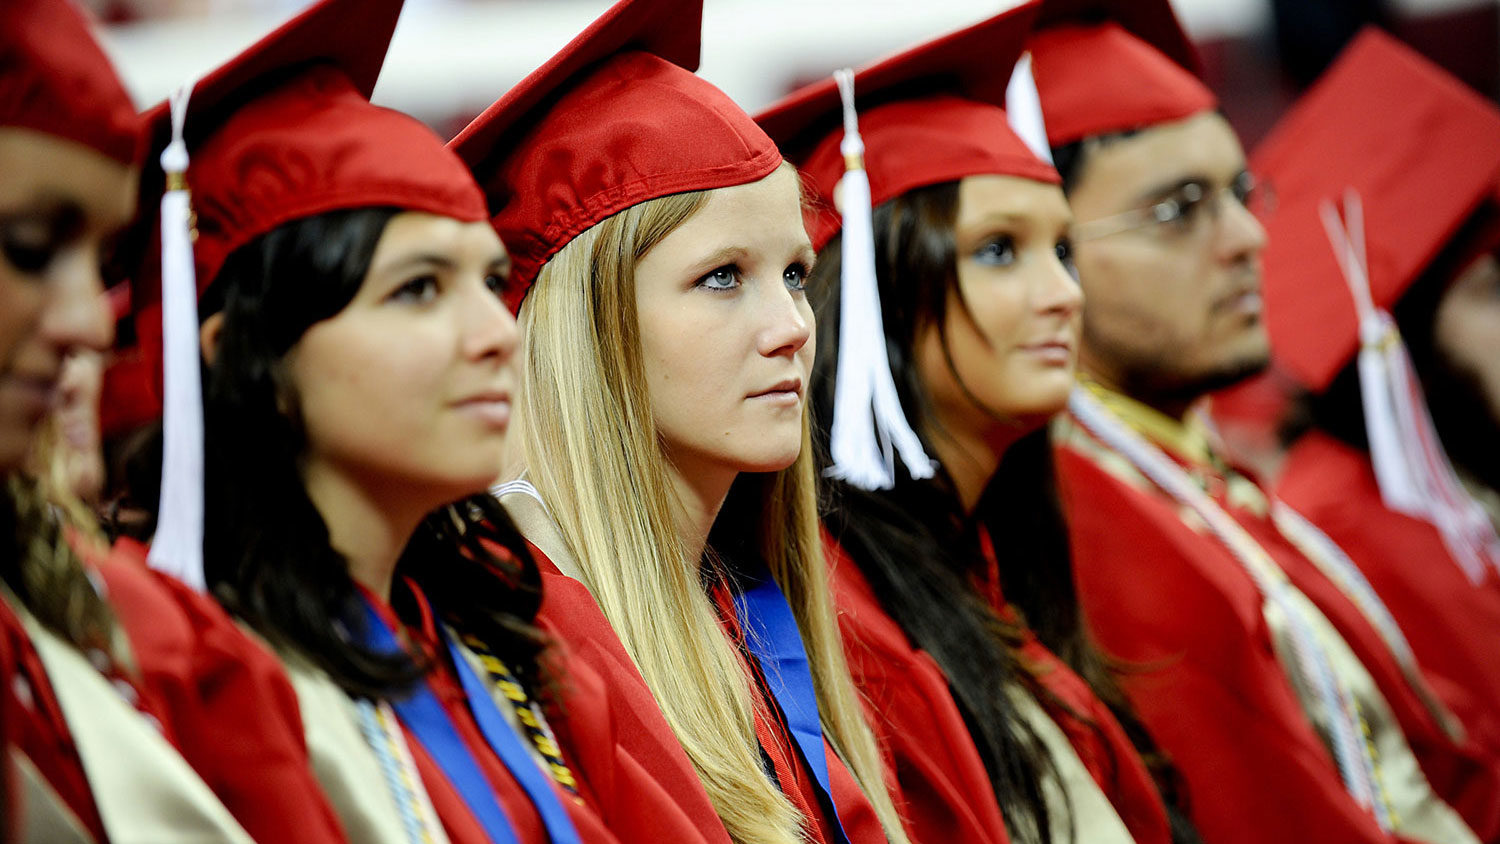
[224,699]
[1163,593]
[96,749]
[351,770]
[946,792]
[647,744]
[1452,625]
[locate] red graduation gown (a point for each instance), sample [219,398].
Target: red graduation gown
[224,700]
[1452,625]
[458,821]
[944,790]
[948,796]
[34,725]
[644,786]
[1174,604]
[1094,732]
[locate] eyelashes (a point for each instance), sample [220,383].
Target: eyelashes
[731,277]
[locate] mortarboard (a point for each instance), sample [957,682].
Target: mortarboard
[1377,167]
[616,118]
[1105,66]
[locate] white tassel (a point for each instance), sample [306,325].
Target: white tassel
[867,415]
[177,548]
[1413,472]
[1023,109]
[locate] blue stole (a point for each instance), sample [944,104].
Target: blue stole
[423,714]
[772,637]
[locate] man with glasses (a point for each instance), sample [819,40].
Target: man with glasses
[1224,621]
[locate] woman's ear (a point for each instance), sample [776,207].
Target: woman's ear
[208,336]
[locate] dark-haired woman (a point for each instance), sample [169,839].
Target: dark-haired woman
[105,716]
[955,590]
[359,370]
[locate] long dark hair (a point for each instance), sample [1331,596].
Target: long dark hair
[922,553]
[267,551]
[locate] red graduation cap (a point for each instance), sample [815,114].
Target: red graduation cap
[286,130]
[1420,149]
[1113,65]
[932,114]
[614,119]
[54,78]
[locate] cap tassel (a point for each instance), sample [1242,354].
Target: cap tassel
[867,415]
[177,548]
[1413,472]
[1023,109]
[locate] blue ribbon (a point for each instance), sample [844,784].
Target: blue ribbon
[509,747]
[424,715]
[772,637]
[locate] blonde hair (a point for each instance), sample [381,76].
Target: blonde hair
[601,468]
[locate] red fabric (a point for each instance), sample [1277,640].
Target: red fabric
[457,819]
[610,728]
[225,702]
[617,117]
[932,114]
[57,80]
[945,792]
[1170,602]
[1452,626]
[285,130]
[36,728]
[857,816]
[1094,79]
[1096,736]
[1372,123]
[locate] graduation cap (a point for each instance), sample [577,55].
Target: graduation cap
[1106,66]
[55,79]
[1376,169]
[929,115]
[285,130]
[614,119]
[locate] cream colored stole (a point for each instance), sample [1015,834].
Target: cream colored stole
[1074,799]
[1419,813]
[347,767]
[45,818]
[144,790]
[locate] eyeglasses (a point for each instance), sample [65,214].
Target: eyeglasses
[1185,211]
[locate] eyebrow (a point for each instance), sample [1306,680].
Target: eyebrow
[500,263]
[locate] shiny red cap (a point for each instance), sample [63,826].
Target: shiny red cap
[614,119]
[932,114]
[1105,66]
[1421,149]
[54,78]
[286,130]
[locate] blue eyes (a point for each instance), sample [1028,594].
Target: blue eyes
[729,277]
[721,278]
[1001,251]
[998,251]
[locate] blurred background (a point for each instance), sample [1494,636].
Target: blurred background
[451,58]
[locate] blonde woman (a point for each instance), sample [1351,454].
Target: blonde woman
[668,343]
